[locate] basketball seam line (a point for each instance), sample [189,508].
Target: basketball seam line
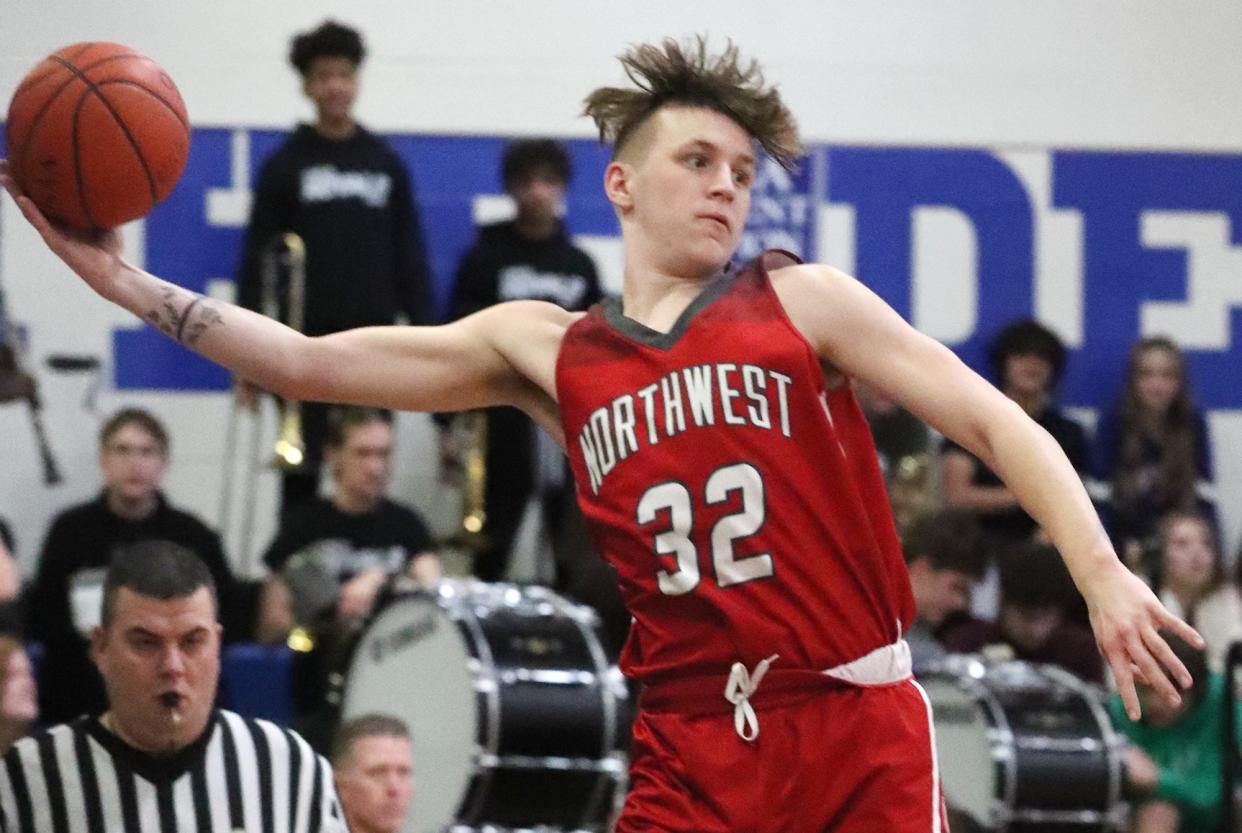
[184,124]
[77,164]
[133,143]
[71,67]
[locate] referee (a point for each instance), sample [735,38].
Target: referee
[162,759]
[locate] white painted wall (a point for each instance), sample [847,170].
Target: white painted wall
[1001,74]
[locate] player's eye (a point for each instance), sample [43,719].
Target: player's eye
[696,160]
[742,177]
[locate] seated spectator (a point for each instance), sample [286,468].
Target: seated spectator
[946,556]
[530,257]
[374,763]
[1032,625]
[1173,767]
[63,602]
[1153,450]
[19,703]
[1027,360]
[331,557]
[1190,579]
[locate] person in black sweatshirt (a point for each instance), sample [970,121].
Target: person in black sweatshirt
[346,193]
[527,258]
[63,601]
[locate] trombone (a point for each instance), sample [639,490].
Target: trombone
[289,252]
[284,257]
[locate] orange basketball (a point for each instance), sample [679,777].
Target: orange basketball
[96,135]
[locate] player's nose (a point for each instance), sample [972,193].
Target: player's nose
[722,184]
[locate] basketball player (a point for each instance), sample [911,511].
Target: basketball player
[722,464]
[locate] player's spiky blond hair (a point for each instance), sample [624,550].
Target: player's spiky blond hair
[685,74]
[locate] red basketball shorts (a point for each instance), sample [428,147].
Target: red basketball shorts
[845,759]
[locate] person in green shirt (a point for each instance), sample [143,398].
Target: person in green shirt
[1174,773]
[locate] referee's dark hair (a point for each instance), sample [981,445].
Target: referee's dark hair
[156,569]
[329,40]
[525,157]
[365,726]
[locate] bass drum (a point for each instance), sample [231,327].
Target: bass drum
[516,714]
[1024,748]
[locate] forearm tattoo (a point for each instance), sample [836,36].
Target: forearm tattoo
[183,315]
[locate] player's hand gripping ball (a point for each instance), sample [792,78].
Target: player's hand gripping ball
[96,135]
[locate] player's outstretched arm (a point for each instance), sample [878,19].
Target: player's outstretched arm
[414,368]
[862,336]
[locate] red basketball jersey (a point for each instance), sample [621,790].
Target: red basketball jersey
[739,499]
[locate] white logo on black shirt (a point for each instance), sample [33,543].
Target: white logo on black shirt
[324,183]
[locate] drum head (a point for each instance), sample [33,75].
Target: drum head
[412,662]
[967,771]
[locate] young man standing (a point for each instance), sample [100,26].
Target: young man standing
[527,258]
[722,464]
[348,196]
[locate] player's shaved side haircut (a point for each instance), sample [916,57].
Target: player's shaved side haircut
[685,74]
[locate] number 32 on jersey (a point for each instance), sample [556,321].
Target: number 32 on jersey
[675,498]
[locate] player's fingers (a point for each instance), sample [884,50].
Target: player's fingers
[1170,622]
[1156,678]
[1165,656]
[1124,677]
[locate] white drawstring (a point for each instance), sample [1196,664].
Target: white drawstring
[738,691]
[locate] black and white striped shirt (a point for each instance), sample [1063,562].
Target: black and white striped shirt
[242,774]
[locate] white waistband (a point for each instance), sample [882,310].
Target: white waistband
[883,666]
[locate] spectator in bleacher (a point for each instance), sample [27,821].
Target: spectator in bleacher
[1191,581]
[19,704]
[1027,359]
[1153,451]
[373,758]
[332,557]
[946,556]
[1173,767]
[63,602]
[1033,624]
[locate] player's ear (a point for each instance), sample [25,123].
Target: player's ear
[618,178]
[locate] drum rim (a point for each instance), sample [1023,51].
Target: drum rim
[1003,742]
